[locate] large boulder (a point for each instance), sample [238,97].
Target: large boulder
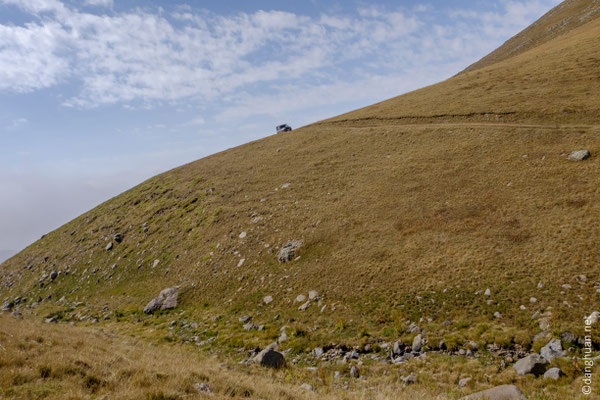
[552,350]
[165,300]
[532,364]
[504,392]
[270,358]
[288,251]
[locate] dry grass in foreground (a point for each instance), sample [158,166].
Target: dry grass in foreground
[41,361]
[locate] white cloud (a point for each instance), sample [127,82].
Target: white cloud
[149,58]
[100,3]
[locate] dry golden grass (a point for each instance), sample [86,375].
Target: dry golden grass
[41,361]
[49,361]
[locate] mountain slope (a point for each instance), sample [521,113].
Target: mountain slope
[553,83]
[565,17]
[408,211]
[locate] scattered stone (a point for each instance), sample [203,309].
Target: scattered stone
[497,315]
[552,350]
[244,319]
[566,286]
[464,382]
[354,372]
[8,305]
[317,352]
[203,388]
[270,358]
[413,328]
[167,299]
[307,387]
[417,343]
[553,373]
[532,300]
[581,278]
[156,262]
[304,306]
[410,379]
[540,285]
[250,326]
[242,235]
[545,324]
[288,251]
[593,318]
[503,392]
[53,275]
[117,237]
[580,155]
[300,298]
[109,246]
[568,337]
[532,364]
[488,292]
[241,262]
[313,294]
[268,299]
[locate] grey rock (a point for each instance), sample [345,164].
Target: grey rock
[580,155]
[300,298]
[304,306]
[313,294]
[553,373]
[109,246]
[354,372]
[464,382]
[317,352]
[593,318]
[568,337]
[250,326]
[118,237]
[166,299]
[417,343]
[503,392]
[270,358]
[410,379]
[203,388]
[532,364]
[413,328]
[53,275]
[488,292]
[268,299]
[398,346]
[552,350]
[307,387]
[288,251]
[545,324]
[245,318]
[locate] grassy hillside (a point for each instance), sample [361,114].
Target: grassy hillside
[565,17]
[408,211]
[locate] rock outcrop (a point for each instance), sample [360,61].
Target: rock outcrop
[165,300]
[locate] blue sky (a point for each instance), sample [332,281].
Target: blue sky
[98,95]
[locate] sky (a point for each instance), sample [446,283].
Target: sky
[98,95]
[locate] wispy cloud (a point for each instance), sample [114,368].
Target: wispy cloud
[149,57]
